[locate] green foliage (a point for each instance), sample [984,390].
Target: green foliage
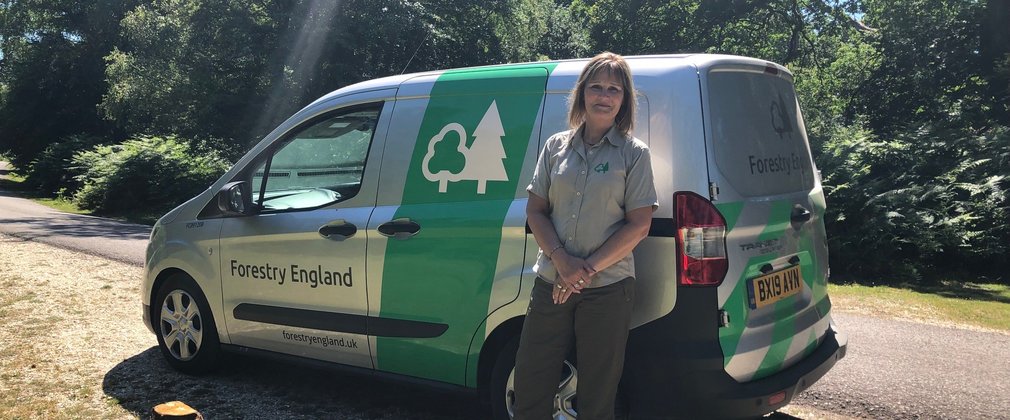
[784,31]
[931,67]
[829,93]
[191,67]
[155,173]
[51,70]
[907,110]
[927,201]
[234,69]
[535,30]
[53,173]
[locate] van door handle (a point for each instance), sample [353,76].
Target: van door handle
[800,214]
[399,228]
[338,230]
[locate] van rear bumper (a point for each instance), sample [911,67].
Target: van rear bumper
[688,380]
[753,398]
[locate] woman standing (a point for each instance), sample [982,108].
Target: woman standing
[590,203]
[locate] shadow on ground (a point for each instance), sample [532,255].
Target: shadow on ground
[73,225]
[245,387]
[10,188]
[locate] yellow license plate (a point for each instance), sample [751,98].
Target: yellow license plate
[773,287]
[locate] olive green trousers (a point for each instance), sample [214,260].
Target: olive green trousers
[596,323]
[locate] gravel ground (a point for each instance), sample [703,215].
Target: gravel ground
[74,346]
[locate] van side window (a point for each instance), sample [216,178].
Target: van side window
[319,164]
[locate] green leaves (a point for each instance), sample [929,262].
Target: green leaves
[159,172]
[920,204]
[906,102]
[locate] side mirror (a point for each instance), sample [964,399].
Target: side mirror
[235,199]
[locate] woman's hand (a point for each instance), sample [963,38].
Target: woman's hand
[574,274]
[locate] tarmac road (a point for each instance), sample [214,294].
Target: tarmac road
[24,219]
[894,369]
[908,370]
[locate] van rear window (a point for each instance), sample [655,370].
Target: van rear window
[758,137]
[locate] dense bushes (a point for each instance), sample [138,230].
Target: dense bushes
[52,172]
[928,201]
[159,172]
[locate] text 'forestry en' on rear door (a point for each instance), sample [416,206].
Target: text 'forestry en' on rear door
[775,292]
[293,275]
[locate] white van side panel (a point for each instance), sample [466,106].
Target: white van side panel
[676,142]
[311,302]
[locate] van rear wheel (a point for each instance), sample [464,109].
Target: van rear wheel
[187,335]
[503,386]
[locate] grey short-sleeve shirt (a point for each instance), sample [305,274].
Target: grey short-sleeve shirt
[589,189]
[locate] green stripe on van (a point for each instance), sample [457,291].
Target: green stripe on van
[786,331]
[444,273]
[783,334]
[737,305]
[778,220]
[731,212]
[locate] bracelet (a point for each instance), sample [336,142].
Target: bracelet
[551,254]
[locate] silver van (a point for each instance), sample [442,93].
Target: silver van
[368,232]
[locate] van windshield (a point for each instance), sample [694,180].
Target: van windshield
[758,137]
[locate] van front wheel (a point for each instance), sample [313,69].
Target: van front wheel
[187,335]
[503,395]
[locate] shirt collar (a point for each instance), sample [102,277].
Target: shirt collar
[614,137]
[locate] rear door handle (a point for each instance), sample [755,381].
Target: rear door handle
[338,230]
[399,228]
[800,214]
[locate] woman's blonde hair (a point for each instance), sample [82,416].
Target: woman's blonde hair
[616,66]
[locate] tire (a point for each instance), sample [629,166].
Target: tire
[184,324]
[502,390]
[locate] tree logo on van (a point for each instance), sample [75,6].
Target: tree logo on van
[780,117]
[484,159]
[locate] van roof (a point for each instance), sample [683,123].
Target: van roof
[699,61]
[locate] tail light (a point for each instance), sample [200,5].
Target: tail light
[701,241]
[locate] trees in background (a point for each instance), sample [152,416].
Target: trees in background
[52,64]
[191,67]
[907,102]
[915,145]
[232,70]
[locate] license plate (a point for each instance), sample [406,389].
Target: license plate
[773,287]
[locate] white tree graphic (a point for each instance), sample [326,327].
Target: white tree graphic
[485,158]
[443,177]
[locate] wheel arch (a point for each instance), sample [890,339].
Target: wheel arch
[156,285]
[161,278]
[493,345]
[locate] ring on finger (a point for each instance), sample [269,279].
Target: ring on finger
[582,281]
[560,286]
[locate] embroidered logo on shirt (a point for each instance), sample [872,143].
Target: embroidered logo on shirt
[602,168]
